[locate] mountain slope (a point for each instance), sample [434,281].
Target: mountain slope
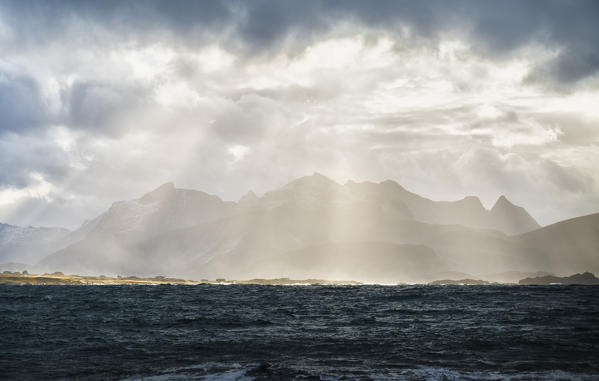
[575,241]
[103,243]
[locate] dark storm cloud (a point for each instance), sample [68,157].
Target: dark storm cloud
[87,105]
[21,156]
[37,21]
[496,26]
[570,26]
[94,105]
[21,104]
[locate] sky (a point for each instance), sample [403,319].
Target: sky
[102,101]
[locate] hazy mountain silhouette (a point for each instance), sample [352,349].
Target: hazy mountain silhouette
[314,226]
[165,208]
[30,244]
[510,218]
[469,211]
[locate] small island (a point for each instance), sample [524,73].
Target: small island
[461,282]
[584,278]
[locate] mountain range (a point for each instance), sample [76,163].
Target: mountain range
[314,227]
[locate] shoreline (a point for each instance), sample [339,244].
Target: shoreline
[82,280]
[58,278]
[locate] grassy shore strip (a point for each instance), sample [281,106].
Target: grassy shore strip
[61,279]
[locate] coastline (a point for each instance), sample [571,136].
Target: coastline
[78,280]
[59,278]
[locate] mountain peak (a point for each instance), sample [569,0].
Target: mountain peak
[502,202]
[391,184]
[316,179]
[474,200]
[164,191]
[249,197]
[513,215]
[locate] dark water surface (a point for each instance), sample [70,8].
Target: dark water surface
[244,332]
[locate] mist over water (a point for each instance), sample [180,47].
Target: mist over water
[299,332]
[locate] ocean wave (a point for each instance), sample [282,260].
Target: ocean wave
[285,371]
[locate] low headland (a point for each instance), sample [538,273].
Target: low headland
[584,278]
[461,282]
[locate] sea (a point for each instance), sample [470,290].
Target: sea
[255,332]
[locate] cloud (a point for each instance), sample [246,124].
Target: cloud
[499,27]
[98,105]
[22,155]
[21,104]
[107,100]
[38,22]
[250,119]
[568,179]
